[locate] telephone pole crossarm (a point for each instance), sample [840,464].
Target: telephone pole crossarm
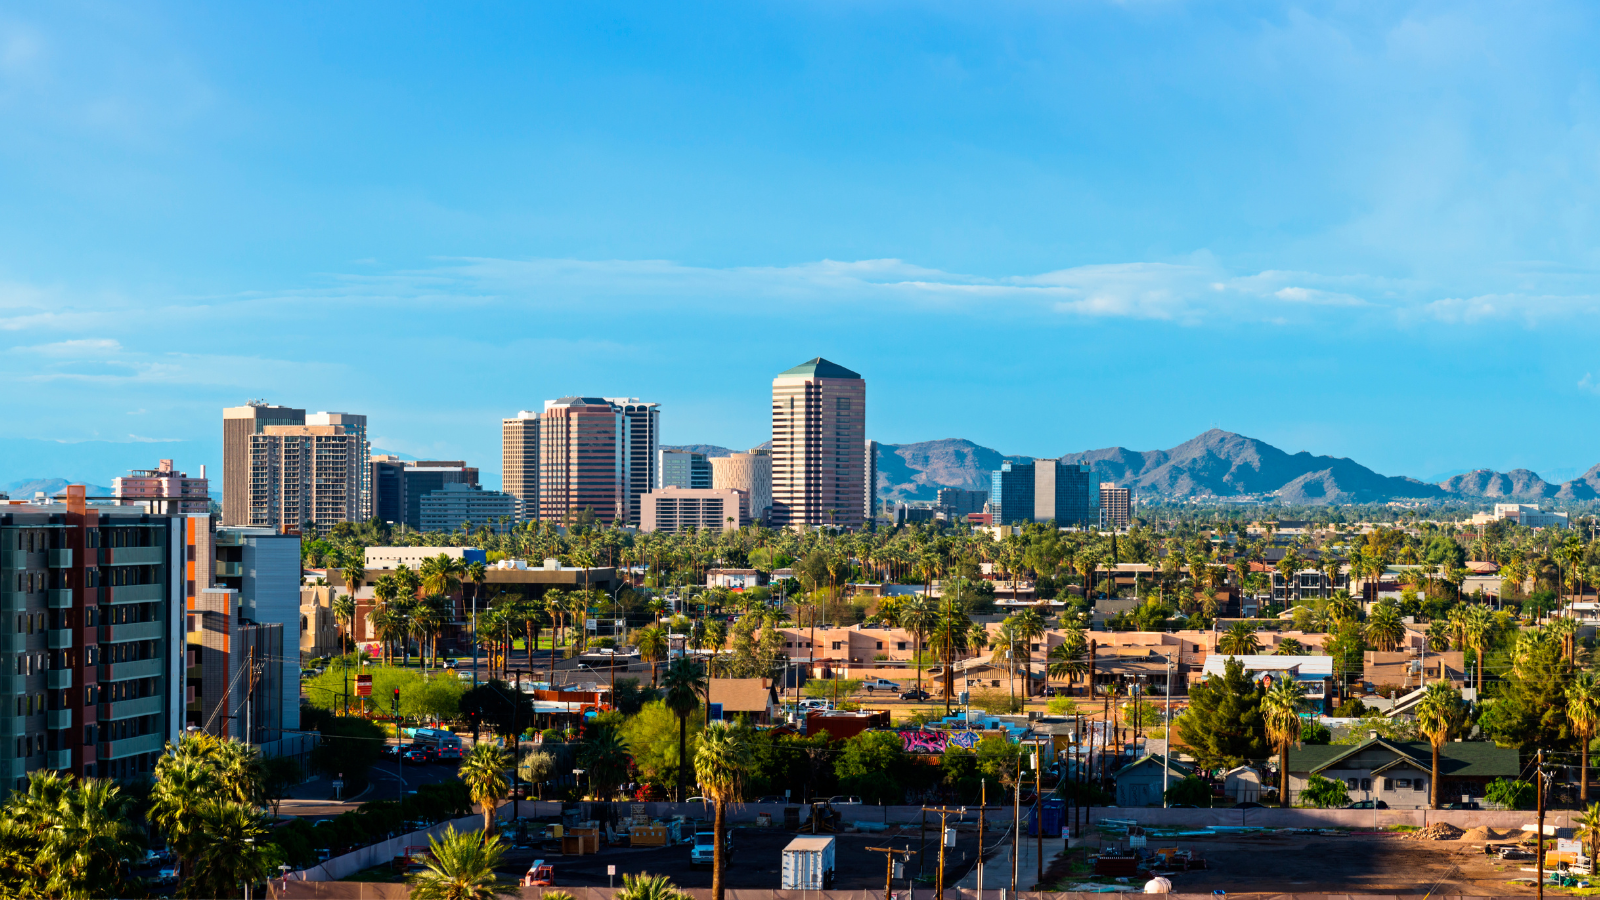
[944,814]
[888,865]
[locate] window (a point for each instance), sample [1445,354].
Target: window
[900,646]
[836,645]
[1366,784]
[1353,783]
[880,645]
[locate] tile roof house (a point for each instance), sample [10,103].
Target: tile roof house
[754,697]
[1398,772]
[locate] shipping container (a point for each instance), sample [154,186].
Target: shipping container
[808,864]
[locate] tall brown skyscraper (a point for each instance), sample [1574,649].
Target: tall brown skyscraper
[819,419]
[239,424]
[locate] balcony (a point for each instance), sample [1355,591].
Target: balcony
[57,719]
[130,631]
[139,668]
[13,643]
[58,759]
[229,539]
[132,556]
[229,569]
[60,638]
[127,709]
[144,743]
[134,593]
[56,679]
[59,599]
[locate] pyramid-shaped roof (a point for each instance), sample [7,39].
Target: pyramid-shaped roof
[819,368]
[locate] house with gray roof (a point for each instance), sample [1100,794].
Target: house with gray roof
[1398,772]
[1143,782]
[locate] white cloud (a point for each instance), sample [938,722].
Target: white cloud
[78,347]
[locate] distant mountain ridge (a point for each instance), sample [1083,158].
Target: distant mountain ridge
[1217,464]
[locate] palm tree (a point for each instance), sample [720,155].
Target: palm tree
[684,685]
[1384,626]
[1478,625]
[1589,821]
[184,781]
[721,763]
[355,575]
[1067,661]
[1343,608]
[234,850]
[461,867]
[1280,712]
[1439,713]
[918,616]
[1239,640]
[344,615]
[91,843]
[535,767]
[484,774]
[1290,647]
[1005,642]
[441,574]
[1583,714]
[652,644]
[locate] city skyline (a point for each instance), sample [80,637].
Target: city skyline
[1260,220]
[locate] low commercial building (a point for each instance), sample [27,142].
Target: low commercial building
[1524,514]
[412,557]
[679,509]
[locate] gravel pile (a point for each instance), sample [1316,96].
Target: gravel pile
[1439,831]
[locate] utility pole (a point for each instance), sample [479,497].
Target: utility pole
[1016,824]
[475,645]
[889,853]
[249,694]
[983,798]
[1538,786]
[1038,805]
[1166,764]
[944,814]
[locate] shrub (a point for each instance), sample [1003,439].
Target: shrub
[997,703]
[1314,732]
[1189,790]
[1061,706]
[1511,794]
[1324,793]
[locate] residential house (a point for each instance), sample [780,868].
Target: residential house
[1398,772]
[756,698]
[1144,781]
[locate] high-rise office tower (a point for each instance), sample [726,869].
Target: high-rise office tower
[305,473]
[819,420]
[748,472]
[239,424]
[1044,490]
[519,461]
[357,426]
[401,484]
[599,453]
[683,469]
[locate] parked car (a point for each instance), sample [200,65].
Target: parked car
[391,750]
[844,800]
[1368,804]
[450,755]
[772,798]
[1470,804]
[704,849]
[915,694]
[881,684]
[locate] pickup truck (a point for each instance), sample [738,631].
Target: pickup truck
[703,853]
[880,684]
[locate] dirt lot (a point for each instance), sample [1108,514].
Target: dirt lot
[757,857]
[1280,863]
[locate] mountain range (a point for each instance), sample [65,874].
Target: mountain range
[1217,465]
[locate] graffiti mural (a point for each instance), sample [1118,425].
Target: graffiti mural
[923,741]
[966,740]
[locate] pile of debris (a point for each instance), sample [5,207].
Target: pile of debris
[1438,831]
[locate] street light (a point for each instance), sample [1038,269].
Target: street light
[577,778]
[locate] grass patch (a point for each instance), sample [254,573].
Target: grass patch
[1402,828]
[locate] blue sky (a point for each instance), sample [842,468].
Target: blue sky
[1367,230]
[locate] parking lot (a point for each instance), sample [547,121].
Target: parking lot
[756,861]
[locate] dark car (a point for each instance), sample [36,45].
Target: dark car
[419,753]
[914,694]
[1248,804]
[1470,804]
[391,750]
[450,755]
[1368,804]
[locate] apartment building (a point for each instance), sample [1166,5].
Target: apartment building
[305,474]
[90,613]
[355,426]
[160,485]
[819,411]
[239,425]
[1116,505]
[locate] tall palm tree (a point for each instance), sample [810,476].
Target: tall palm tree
[1005,643]
[722,762]
[684,686]
[918,615]
[1589,822]
[1439,713]
[344,614]
[1479,627]
[1343,608]
[461,867]
[355,575]
[484,773]
[93,843]
[1068,660]
[652,643]
[1280,712]
[1583,714]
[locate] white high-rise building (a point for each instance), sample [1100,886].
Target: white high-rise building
[748,472]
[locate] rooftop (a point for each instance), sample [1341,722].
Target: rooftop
[819,368]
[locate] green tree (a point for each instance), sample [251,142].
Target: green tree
[1510,793]
[1280,714]
[1239,640]
[233,853]
[1189,789]
[1324,793]
[1384,626]
[684,686]
[461,867]
[1223,726]
[869,766]
[1583,713]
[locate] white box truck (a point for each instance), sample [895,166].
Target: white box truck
[808,864]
